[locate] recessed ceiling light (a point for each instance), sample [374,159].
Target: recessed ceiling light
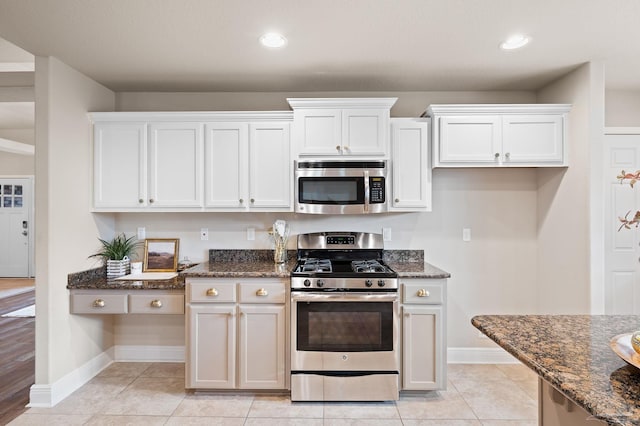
[273,40]
[515,42]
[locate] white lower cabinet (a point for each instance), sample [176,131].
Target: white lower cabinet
[262,347]
[424,357]
[236,334]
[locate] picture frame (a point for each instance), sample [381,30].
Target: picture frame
[161,255]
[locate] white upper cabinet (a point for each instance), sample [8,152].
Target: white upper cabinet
[147,166]
[410,166]
[226,171]
[119,165]
[514,135]
[270,175]
[175,165]
[326,127]
[247,166]
[192,161]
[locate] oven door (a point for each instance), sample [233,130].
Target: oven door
[344,331]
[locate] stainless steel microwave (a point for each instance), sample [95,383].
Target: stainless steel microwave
[340,187]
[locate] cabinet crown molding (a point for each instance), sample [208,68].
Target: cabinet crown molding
[182,116]
[442,109]
[341,102]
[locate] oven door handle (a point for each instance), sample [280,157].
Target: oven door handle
[342,297]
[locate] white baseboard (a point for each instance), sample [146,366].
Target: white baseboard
[50,395]
[133,353]
[479,356]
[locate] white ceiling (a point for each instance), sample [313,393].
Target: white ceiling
[372,45]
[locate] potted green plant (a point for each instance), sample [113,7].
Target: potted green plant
[116,254]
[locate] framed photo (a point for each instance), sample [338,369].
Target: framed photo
[160,255]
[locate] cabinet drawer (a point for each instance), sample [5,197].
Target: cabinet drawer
[273,292]
[423,293]
[156,304]
[99,303]
[211,291]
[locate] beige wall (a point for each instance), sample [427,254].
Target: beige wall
[409,104]
[17,164]
[622,108]
[65,230]
[565,196]
[494,273]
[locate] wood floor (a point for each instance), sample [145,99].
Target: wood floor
[17,355]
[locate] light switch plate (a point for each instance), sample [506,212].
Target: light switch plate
[386,234]
[466,234]
[251,234]
[142,233]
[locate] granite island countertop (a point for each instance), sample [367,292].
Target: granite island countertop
[572,353]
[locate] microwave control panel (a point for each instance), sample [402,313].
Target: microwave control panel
[376,190]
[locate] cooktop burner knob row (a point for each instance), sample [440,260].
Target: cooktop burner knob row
[320,283]
[381,283]
[368,283]
[307,283]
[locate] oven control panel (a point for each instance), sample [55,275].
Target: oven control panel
[380,284]
[341,239]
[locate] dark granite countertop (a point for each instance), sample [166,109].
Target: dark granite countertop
[247,264]
[96,279]
[572,353]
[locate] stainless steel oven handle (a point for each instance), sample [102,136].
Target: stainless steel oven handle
[342,297]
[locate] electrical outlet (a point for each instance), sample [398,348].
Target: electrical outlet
[204,234]
[251,234]
[386,234]
[142,233]
[466,234]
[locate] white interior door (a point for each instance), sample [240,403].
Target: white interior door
[15,227]
[622,254]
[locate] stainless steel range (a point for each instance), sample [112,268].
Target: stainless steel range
[344,320]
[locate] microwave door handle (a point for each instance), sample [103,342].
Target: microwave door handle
[366,191]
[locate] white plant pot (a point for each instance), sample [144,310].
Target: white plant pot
[118,268]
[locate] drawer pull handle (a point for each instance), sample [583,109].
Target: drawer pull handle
[423,293]
[212,292]
[262,292]
[157,303]
[98,303]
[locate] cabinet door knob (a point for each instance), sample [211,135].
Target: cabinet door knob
[423,293]
[241,200]
[157,303]
[98,303]
[262,292]
[252,200]
[497,154]
[397,200]
[151,200]
[140,201]
[338,148]
[212,292]
[507,155]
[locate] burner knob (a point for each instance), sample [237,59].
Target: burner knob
[368,283]
[307,283]
[381,283]
[320,283]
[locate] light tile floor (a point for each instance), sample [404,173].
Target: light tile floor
[153,394]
